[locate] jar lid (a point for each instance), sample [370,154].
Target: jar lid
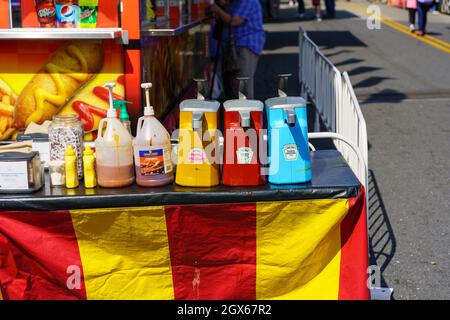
[66,118]
[35,137]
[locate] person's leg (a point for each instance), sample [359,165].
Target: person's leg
[253,65]
[248,62]
[244,66]
[425,12]
[412,19]
[422,9]
[331,8]
[301,7]
[434,7]
[412,16]
[421,17]
[316,4]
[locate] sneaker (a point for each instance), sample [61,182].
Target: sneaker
[435,12]
[318,18]
[412,28]
[300,15]
[420,33]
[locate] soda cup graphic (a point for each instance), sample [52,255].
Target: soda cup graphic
[67,14]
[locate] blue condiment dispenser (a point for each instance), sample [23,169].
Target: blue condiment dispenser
[289,159]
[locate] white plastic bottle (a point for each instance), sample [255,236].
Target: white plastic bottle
[152,149]
[114,151]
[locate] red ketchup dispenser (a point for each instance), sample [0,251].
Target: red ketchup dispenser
[244,141]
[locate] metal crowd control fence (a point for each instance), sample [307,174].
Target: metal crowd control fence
[336,105]
[339,112]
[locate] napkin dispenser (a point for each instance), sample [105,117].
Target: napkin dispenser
[20,172]
[40,143]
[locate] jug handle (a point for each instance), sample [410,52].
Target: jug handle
[139,125]
[100,128]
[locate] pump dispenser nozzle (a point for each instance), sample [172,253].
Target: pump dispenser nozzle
[112,113]
[122,106]
[283,84]
[243,87]
[148,110]
[197,117]
[290,117]
[201,88]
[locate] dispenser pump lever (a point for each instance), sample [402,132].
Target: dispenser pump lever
[197,120]
[283,84]
[201,88]
[243,87]
[111,112]
[245,119]
[148,110]
[290,116]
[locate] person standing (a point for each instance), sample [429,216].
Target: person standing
[422,9]
[301,9]
[412,9]
[331,9]
[316,4]
[434,7]
[244,22]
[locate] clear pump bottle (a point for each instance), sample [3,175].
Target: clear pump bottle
[114,150]
[152,149]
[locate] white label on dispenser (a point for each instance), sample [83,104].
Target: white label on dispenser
[152,161]
[197,156]
[244,155]
[290,152]
[14,175]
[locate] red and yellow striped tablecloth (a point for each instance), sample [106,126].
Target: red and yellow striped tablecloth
[306,249]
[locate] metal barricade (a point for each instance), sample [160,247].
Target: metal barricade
[352,125]
[336,105]
[319,80]
[338,109]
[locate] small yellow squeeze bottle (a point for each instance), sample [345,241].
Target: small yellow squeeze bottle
[71,168]
[90,179]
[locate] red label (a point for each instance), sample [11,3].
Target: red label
[46,13]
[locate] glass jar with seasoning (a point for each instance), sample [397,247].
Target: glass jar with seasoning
[65,131]
[57,173]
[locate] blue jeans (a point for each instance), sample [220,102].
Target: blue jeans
[330,5]
[422,9]
[301,6]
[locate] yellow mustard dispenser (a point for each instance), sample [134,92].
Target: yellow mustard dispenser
[71,168]
[90,179]
[198,151]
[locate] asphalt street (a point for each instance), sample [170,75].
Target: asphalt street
[403,85]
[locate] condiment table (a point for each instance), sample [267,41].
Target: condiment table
[289,242]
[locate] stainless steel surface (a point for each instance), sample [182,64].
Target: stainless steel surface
[283,84]
[243,87]
[55,33]
[291,116]
[165,29]
[201,88]
[245,119]
[197,120]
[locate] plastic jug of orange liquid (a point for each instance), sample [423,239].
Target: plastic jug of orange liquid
[114,150]
[152,148]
